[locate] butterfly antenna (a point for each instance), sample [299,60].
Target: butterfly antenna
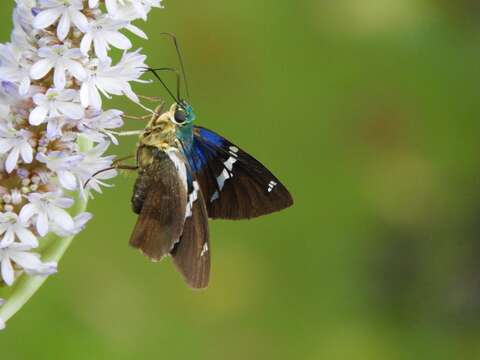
[164,84]
[177,76]
[180,60]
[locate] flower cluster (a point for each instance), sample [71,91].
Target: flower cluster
[53,74]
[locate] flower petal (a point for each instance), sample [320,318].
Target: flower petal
[38,115]
[24,86]
[26,152]
[64,202]
[111,6]
[61,218]
[63,27]
[43,269]
[67,180]
[8,238]
[137,31]
[7,271]
[26,260]
[59,75]
[100,48]
[42,224]
[86,43]
[46,18]
[119,40]
[79,19]
[26,236]
[12,160]
[76,69]
[41,68]
[27,212]
[71,110]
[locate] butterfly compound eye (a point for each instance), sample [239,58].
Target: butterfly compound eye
[180,116]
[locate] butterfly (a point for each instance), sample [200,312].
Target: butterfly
[186,175]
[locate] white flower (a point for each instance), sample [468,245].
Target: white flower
[55,126]
[12,228]
[104,32]
[10,95]
[12,70]
[15,143]
[20,255]
[98,126]
[80,222]
[113,80]
[63,164]
[130,9]
[61,58]
[69,11]
[92,163]
[55,103]
[48,208]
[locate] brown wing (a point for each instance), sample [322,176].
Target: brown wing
[191,255]
[160,198]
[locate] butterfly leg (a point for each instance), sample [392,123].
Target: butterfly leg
[158,111]
[143,118]
[118,161]
[151,98]
[127,133]
[116,165]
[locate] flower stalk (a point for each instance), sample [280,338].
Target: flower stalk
[53,130]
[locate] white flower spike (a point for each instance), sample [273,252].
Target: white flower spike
[61,58]
[53,131]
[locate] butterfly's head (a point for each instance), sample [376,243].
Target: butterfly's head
[181,113]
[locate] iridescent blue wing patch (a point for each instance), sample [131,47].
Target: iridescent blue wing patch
[234,184]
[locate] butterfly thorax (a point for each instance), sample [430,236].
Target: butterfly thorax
[171,129]
[159,134]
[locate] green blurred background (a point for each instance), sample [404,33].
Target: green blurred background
[368,111]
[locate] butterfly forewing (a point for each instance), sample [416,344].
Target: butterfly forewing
[235,185]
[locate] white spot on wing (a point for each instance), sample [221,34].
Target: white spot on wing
[271,185]
[192,197]
[233,151]
[179,165]
[215,196]
[204,249]
[226,173]
[229,163]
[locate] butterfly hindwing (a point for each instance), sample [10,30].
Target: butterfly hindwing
[160,199]
[234,184]
[191,255]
